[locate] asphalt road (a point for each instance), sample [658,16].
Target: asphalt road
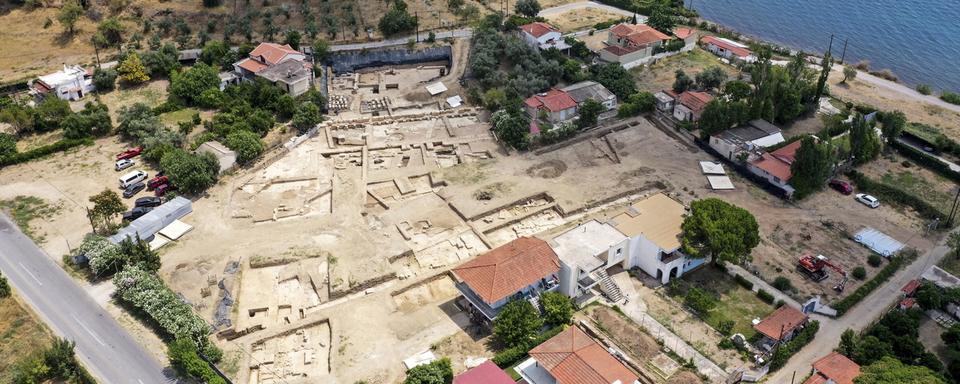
[105,349]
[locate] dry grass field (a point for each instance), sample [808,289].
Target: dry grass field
[20,333]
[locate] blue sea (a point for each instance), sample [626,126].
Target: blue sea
[919,40]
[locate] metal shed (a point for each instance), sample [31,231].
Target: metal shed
[878,242]
[151,223]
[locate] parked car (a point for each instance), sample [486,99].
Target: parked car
[149,201]
[163,189]
[841,186]
[868,200]
[130,153]
[133,189]
[157,181]
[135,213]
[123,164]
[131,178]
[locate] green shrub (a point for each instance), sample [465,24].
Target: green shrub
[765,296]
[901,259]
[924,89]
[510,356]
[726,327]
[874,260]
[950,97]
[891,193]
[782,283]
[699,300]
[726,344]
[859,273]
[36,153]
[787,349]
[146,292]
[743,282]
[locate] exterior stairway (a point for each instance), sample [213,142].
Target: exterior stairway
[608,287]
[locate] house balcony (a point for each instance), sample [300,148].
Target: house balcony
[587,282]
[477,303]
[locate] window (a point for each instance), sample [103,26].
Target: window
[619,251]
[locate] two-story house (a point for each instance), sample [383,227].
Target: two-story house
[554,106]
[70,83]
[573,357]
[586,252]
[631,45]
[750,138]
[542,36]
[775,166]
[281,65]
[518,270]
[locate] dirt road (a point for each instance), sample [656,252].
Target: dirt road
[858,318]
[906,91]
[587,4]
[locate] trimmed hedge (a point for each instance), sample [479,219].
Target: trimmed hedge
[888,192]
[896,262]
[926,160]
[510,356]
[45,150]
[765,296]
[802,338]
[743,282]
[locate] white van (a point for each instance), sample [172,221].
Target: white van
[132,178]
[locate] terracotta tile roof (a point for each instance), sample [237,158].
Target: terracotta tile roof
[251,65]
[908,303]
[778,162]
[537,29]
[508,268]
[696,101]
[554,100]
[272,53]
[572,357]
[639,34]
[738,51]
[486,373]
[620,51]
[682,32]
[836,367]
[785,319]
[911,287]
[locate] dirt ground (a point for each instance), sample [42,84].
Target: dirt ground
[684,377]
[581,19]
[919,181]
[51,48]
[660,75]
[20,333]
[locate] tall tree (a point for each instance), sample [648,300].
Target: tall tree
[718,229]
[849,73]
[557,308]
[711,78]
[682,82]
[106,206]
[437,372]
[848,344]
[811,167]
[825,66]
[615,78]
[589,111]
[890,370]
[661,19]
[864,142]
[528,8]
[69,14]
[131,69]
[517,323]
[186,86]
[892,124]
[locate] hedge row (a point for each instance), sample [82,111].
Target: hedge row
[743,282]
[765,296]
[510,356]
[896,262]
[787,349]
[889,192]
[147,292]
[926,160]
[45,150]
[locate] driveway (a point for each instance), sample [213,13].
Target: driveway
[104,348]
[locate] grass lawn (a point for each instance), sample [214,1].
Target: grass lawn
[662,74]
[923,131]
[734,302]
[20,334]
[920,187]
[513,372]
[24,209]
[171,119]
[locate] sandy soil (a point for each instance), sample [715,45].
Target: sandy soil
[581,19]
[660,75]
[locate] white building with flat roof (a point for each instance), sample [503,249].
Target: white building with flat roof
[585,252]
[70,83]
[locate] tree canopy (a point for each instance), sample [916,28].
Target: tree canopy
[187,86]
[131,69]
[811,167]
[720,230]
[437,372]
[106,206]
[69,13]
[528,8]
[246,144]
[864,142]
[397,20]
[192,173]
[517,323]
[889,370]
[557,308]
[589,112]
[512,126]
[711,78]
[662,19]
[614,78]
[681,81]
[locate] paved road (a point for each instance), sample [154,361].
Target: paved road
[457,33]
[857,318]
[102,345]
[913,144]
[552,11]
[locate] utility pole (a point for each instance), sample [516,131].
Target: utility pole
[953,210]
[830,48]
[416,18]
[844,54]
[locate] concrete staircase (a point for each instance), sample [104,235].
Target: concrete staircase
[608,287]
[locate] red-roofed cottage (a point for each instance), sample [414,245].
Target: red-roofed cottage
[486,373]
[780,326]
[573,357]
[631,45]
[520,269]
[833,369]
[543,36]
[281,65]
[775,166]
[690,104]
[556,105]
[728,49]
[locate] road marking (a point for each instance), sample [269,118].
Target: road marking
[30,273]
[87,329]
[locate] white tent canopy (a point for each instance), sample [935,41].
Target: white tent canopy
[878,242]
[151,223]
[436,88]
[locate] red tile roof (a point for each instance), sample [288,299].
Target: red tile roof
[835,367]
[639,34]
[507,269]
[911,287]
[738,51]
[682,32]
[273,53]
[486,373]
[554,100]
[572,357]
[537,29]
[251,65]
[777,163]
[908,303]
[785,319]
[620,51]
[696,101]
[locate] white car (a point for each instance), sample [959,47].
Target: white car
[123,164]
[868,200]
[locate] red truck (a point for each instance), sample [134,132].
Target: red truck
[157,181]
[130,153]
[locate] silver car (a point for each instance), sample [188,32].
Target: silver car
[868,200]
[123,164]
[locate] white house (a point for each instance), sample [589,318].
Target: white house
[542,36]
[586,252]
[70,83]
[749,138]
[279,64]
[728,49]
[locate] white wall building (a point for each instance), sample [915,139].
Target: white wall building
[543,36]
[750,138]
[70,83]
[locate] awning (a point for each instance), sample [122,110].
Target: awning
[712,168]
[436,88]
[175,230]
[720,183]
